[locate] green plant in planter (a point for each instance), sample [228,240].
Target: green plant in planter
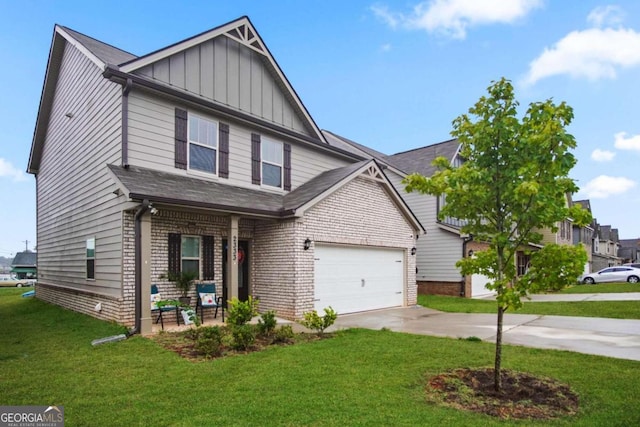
[183,281]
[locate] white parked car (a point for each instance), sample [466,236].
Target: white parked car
[621,273]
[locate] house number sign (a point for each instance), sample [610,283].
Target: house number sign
[234,249]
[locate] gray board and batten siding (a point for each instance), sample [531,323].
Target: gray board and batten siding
[152,145]
[224,71]
[75,197]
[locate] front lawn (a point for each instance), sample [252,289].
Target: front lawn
[611,309]
[359,377]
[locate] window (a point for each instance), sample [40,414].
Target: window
[190,254]
[203,144]
[272,160]
[91,258]
[523,260]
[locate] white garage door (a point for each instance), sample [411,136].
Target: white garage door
[352,279]
[478,282]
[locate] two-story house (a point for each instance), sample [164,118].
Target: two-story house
[200,156]
[605,246]
[629,250]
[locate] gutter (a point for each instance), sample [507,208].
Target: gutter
[144,207]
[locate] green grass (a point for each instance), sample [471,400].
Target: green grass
[610,309]
[604,288]
[357,378]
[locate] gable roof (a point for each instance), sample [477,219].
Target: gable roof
[116,64]
[419,160]
[242,31]
[104,52]
[139,184]
[352,146]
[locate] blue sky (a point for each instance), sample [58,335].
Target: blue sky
[389,74]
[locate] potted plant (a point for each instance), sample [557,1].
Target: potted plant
[183,281]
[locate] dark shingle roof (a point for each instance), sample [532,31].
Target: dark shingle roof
[586,204]
[419,160]
[318,185]
[143,183]
[105,52]
[25,259]
[351,146]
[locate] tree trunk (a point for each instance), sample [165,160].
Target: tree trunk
[497,381]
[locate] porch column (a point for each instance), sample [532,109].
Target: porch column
[145,273]
[232,258]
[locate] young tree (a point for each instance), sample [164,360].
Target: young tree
[513,183]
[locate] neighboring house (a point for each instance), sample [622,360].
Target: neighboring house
[605,246]
[24,265]
[629,250]
[584,236]
[200,156]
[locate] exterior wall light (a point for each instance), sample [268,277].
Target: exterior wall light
[307,244]
[413,250]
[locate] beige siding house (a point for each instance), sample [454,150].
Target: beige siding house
[200,156]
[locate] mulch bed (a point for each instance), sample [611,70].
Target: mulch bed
[523,396]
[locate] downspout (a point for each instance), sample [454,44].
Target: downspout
[465,240]
[125,122]
[144,207]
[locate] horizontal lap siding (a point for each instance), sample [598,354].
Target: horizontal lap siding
[75,193]
[438,250]
[151,144]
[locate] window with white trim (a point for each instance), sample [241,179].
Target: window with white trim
[203,144]
[272,162]
[190,254]
[91,258]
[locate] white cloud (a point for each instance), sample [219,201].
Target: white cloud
[452,18]
[593,54]
[8,170]
[602,155]
[385,47]
[604,186]
[610,15]
[624,143]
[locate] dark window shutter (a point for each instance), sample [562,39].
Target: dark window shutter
[223,150]
[207,258]
[255,159]
[181,139]
[175,241]
[287,167]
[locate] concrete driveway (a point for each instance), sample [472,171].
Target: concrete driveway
[605,337]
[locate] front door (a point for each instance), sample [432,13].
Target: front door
[243,270]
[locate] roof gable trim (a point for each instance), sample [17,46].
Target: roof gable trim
[75,43]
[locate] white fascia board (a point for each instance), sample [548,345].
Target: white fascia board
[71,40]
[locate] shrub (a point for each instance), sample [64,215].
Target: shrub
[284,334]
[314,322]
[208,341]
[267,323]
[241,312]
[243,336]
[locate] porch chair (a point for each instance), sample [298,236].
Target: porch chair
[207,298]
[155,299]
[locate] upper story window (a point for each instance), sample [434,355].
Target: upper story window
[203,144]
[272,162]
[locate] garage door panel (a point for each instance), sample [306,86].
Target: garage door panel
[351,279]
